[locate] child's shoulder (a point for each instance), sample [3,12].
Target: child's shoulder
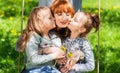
[34,35]
[83,39]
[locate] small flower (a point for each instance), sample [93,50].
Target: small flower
[2,15]
[12,30]
[2,40]
[84,6]
[9,7]
[111,8]
[70,54]
[96,11]
[11,18]
[19,34]
[63,48]
[13,9]
[15,33]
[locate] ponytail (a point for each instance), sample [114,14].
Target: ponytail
[95,21]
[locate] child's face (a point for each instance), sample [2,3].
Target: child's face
[77,22]
[47,19]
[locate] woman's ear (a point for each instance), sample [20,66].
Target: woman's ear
[81,30]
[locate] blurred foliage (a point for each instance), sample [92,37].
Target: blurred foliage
[109,35]
[10,20]
[14,7]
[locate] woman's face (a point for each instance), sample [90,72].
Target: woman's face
[77,22]
[62,19]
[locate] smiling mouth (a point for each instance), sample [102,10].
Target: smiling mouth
[63,23]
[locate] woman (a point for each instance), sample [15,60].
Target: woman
[62,11]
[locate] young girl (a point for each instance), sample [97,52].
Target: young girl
[80,25]
[34,37]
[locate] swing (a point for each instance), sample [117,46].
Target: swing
[98,49]
[22,20]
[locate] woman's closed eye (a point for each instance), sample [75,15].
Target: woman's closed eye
[67,14]
[59,14]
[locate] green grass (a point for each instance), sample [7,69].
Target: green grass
[105,4]
[109,36]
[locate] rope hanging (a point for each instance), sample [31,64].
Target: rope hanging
[98,62]
[22,20]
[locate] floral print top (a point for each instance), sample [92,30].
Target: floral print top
[83,45]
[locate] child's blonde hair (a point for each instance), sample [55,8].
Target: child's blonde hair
[34,24]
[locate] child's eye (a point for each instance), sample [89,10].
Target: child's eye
[76,19]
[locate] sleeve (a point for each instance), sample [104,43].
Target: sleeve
[32,53]
[89,65]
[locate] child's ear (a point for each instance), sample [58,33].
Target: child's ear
[39,16]
[81,30]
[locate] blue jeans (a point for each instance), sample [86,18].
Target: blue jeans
[43,69]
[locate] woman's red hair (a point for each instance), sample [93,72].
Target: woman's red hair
[59,6]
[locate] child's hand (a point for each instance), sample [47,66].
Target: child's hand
[62,61]
[57,52]
[78,55]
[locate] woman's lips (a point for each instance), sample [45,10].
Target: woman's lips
[63,23]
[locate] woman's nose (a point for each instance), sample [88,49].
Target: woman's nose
[64,17]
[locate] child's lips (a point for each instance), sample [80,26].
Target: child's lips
[70,23]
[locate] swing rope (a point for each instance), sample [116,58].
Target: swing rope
[22,21]
[98,50]
[98,62]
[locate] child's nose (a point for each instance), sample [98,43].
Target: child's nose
[71,20]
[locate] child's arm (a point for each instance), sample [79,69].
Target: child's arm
[89,64]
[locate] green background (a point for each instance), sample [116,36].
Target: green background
[10,21]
